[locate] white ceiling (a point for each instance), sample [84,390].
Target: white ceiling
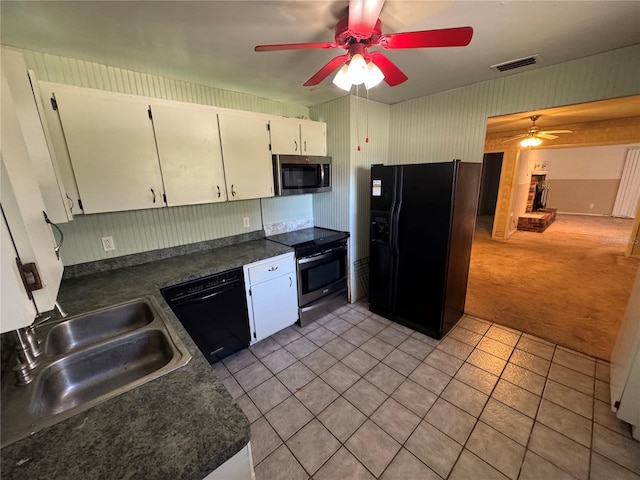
[211,42]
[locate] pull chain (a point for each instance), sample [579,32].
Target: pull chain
[366,140]
[358,116]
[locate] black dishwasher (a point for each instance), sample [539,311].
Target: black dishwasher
[213,310]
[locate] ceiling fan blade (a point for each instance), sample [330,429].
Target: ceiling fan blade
[363,15]
[546,135]
[327,70]
[556,131]
[447,37]
[295,46]
[515,138]
[392,74]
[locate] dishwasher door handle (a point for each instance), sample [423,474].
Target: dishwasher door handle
[199,298]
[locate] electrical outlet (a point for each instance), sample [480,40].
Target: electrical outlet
[246,222]
[107,244]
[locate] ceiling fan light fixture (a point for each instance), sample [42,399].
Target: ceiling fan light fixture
[358,69]
[342,78]
[530,142]
[374,76]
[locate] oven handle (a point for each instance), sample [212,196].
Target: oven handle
[319,256]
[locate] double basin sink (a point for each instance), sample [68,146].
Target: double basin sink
[88,359]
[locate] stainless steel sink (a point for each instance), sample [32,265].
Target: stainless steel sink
[89,359]
[97,326]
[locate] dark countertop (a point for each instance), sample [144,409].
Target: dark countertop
[182,425]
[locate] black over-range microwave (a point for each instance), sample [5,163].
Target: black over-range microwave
[298,174]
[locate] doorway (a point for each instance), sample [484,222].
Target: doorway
[489,184]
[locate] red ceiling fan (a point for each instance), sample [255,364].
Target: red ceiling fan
[362,29]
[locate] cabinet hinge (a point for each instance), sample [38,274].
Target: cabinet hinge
[268,127]
[80,204]
[617,404]
[54,103]
[30,277]
[164,197]
[150,114]
[269,147]
[250,294]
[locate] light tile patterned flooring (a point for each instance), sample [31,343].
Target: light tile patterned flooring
[355,396]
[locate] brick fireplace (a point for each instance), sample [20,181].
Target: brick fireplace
[537,217]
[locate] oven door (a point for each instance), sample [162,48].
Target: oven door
[322,274]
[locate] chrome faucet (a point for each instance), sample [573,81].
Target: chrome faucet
[28,347]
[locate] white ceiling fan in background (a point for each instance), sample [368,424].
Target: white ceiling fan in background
[534,136]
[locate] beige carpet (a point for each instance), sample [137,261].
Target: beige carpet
[569,285]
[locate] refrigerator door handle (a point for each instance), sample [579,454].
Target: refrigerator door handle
[392,215]
[394,226]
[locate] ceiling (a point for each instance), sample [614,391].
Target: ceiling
[211,42]
[624,107]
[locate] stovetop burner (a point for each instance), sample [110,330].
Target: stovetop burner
[308,237]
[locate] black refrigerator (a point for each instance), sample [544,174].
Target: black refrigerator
[422,225]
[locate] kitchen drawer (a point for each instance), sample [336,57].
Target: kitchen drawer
[271,268]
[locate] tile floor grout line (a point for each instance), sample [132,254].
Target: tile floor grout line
[423,361]
[489,396]
[535,420]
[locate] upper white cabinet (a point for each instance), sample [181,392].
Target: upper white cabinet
[26,225]
[57,143]
[313,137]
[291,136]
[285,136]
[245,151]
[35,131]
[189,150]
[112,149]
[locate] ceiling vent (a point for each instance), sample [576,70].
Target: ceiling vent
[517,63]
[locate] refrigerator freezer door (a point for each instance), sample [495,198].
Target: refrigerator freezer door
[382,241]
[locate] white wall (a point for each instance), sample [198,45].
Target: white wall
[583,180]
[346,207]
[583,163]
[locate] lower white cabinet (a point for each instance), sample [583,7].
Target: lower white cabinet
[272,295]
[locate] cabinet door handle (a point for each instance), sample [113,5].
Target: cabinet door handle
[154,195]
[233,192]
[272,268]
[305,146]
[290,282]
[296,144]
[218,187]
[56,249]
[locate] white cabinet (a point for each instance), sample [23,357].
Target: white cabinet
[35,131]
[189,150]
[30,237]
[313,137]
[272,295]
[291,136]
[57,143]
[285,136]
[625,364]
[245,152]
[112,149]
